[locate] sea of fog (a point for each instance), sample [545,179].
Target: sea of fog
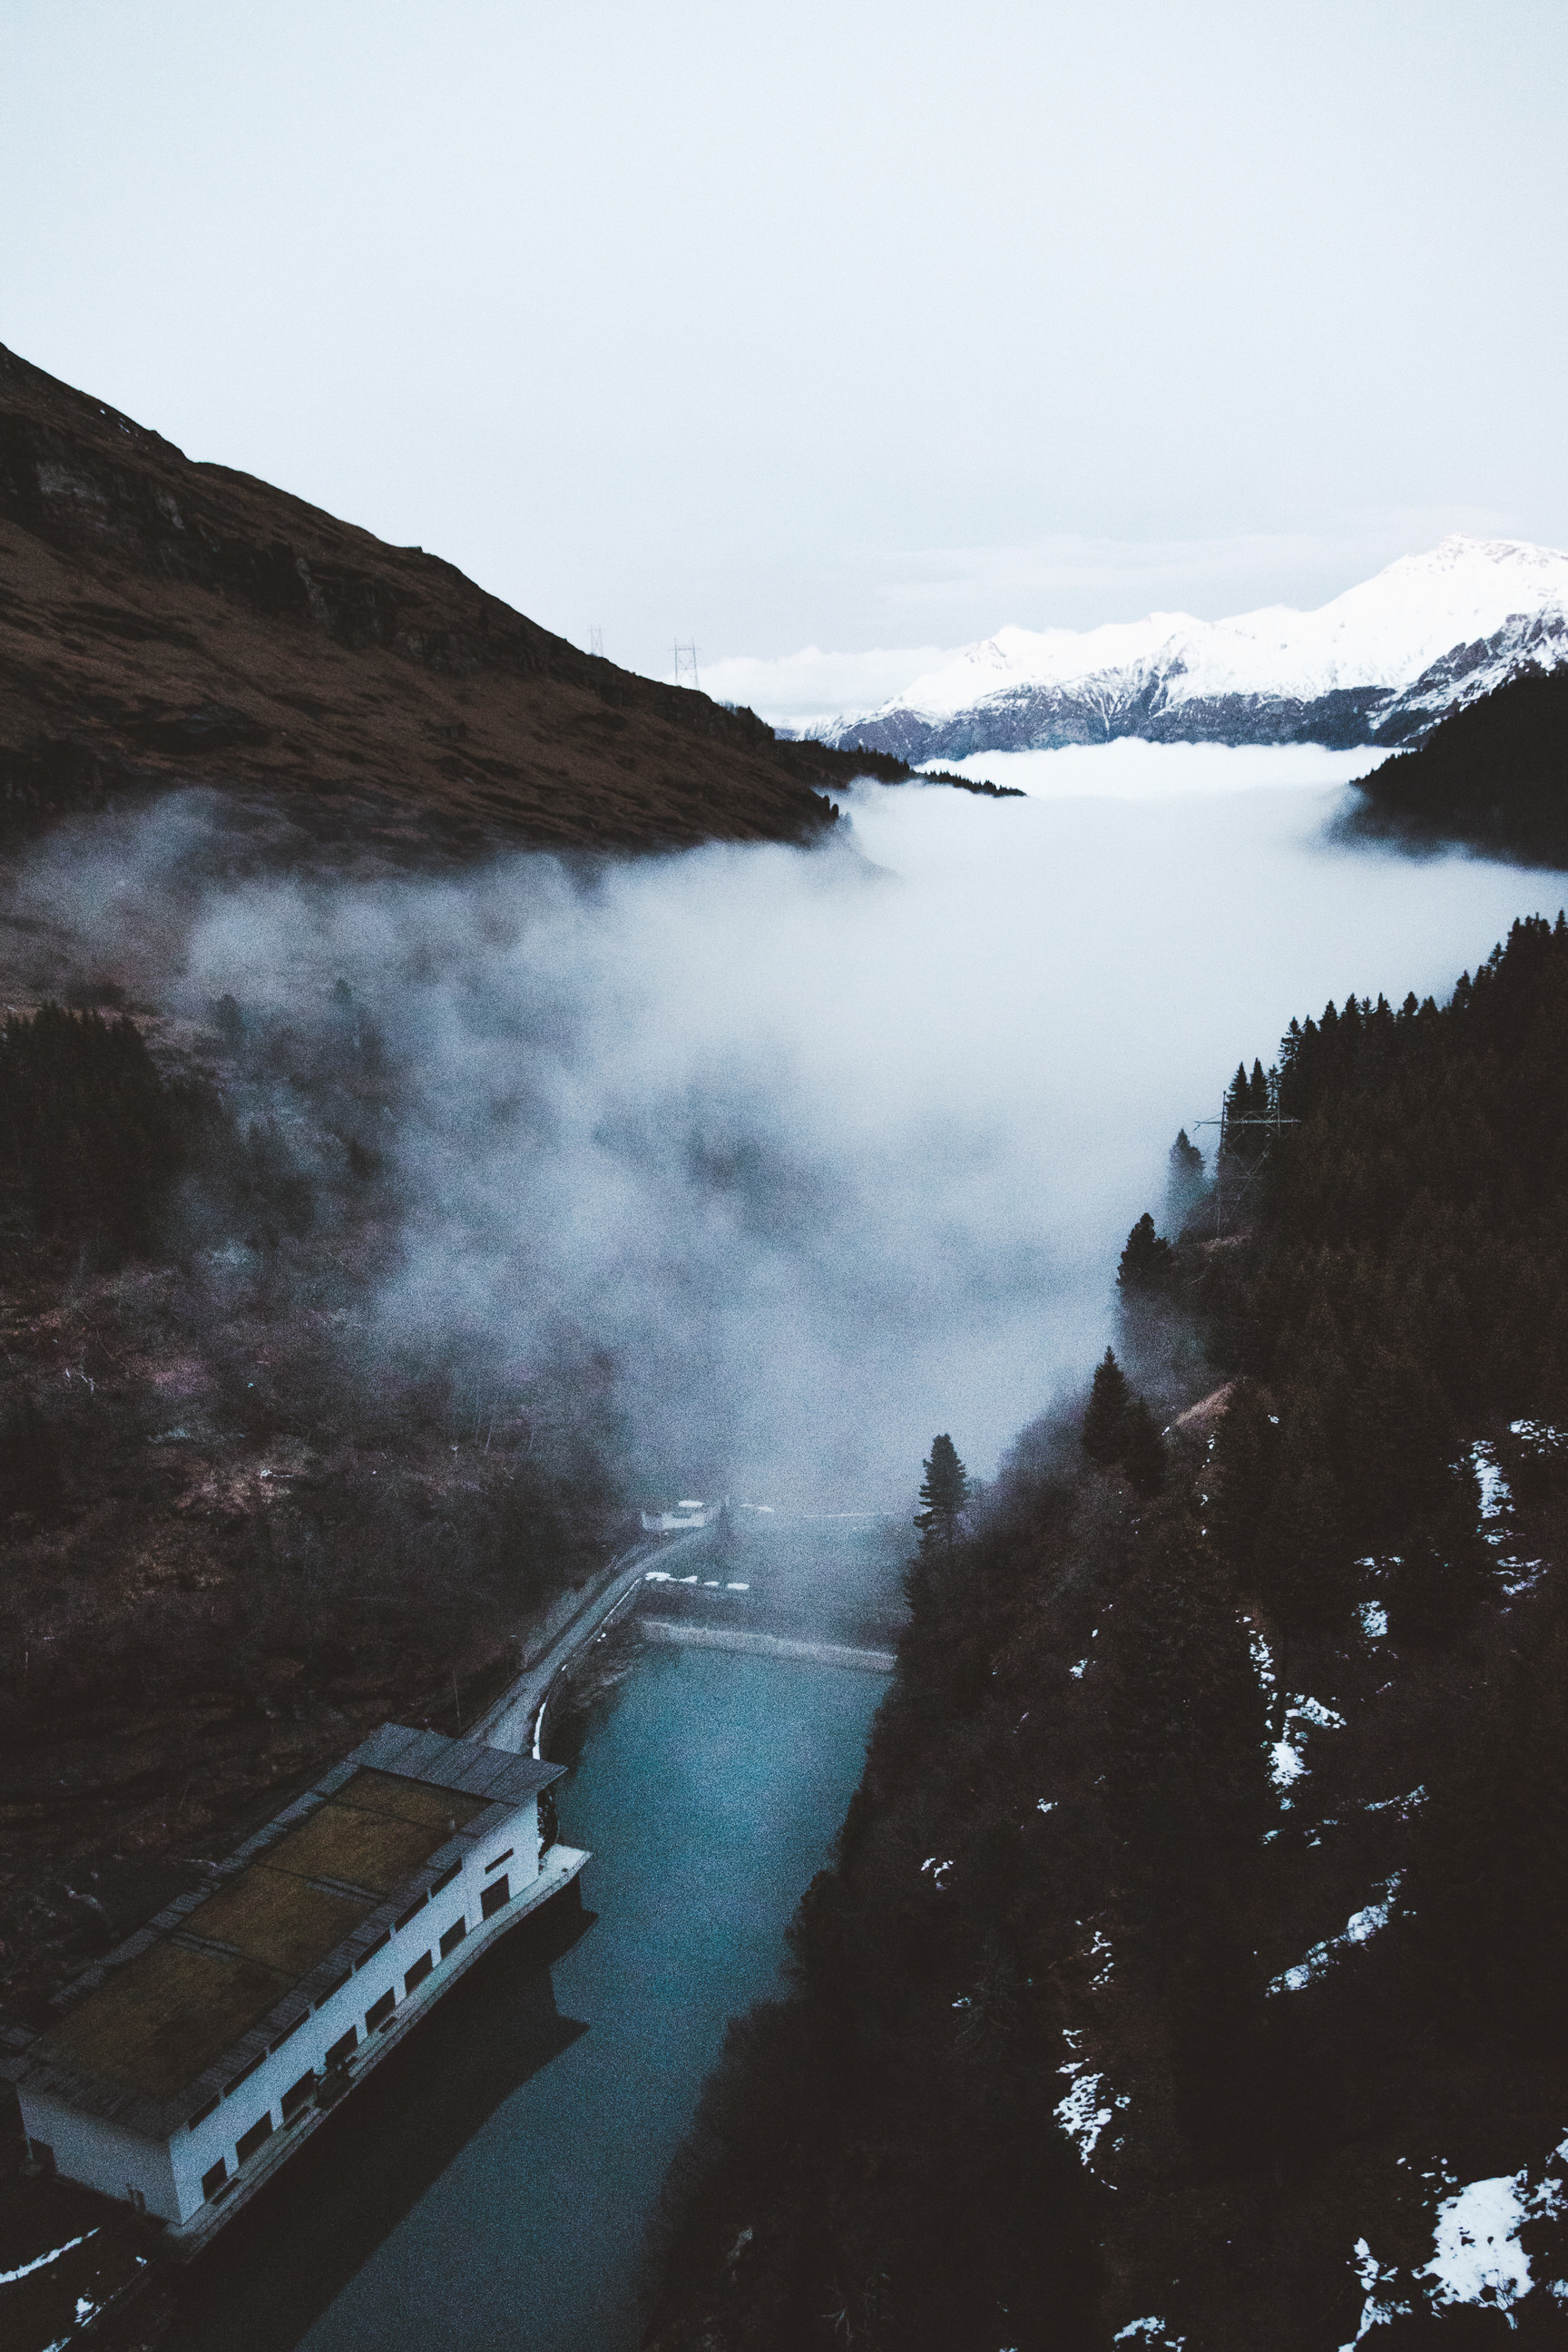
[821,1152]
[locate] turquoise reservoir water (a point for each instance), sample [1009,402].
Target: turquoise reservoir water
[490,2184]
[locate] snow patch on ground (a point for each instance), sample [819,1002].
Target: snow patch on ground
[1287,1762]
[1376,2311]
[1312,1710]
[1360,1928]
[41,2261]
[1497,1496]
[1479,2258]
[1088,2106]
[937,1868]
[1404,1806]
[1151,2332]
[1374,1619]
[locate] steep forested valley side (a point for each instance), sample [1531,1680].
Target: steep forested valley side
[240,1525]
[1493,777]
[1191,1966]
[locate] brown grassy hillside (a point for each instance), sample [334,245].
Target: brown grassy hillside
[164,622]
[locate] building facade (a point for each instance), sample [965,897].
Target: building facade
[190,2061]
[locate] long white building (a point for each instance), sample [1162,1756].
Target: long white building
[188,2065]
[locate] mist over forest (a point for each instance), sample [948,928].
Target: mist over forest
[381,1243]
[805,1153]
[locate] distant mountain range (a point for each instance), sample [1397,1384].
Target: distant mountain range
[1381,663]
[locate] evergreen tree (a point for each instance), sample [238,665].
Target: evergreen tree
[1303,1559]
[944,1490]
[1105,1422]
[1147,1262]
[1143,1451]
[1185,1184]
[1437,1583]
[1243,1467]
[88,1127]
[29,1460]
[1185,1758]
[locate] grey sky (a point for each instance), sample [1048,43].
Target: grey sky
[836,325]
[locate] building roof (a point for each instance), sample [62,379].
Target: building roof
[186,2007]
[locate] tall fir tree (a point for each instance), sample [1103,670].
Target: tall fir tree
[1105,1422]
[1185,1183]
[944,1490]
[1148,1261]
[29,1460]
[1245,1465]
[1143,1454]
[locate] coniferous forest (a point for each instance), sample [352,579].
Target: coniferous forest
[1493,776]
[1197,1938]
[234,1529]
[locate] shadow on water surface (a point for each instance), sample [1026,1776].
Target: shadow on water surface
[282,2261]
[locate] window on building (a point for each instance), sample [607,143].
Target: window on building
[380,2010]
[344,2048]
[248,2142]
[418,1972]
[212,2182]
[202,2113]
[413,1911]
[299,2094]
[454,1936]
[499,1860]
[495,1898]
[445,1878]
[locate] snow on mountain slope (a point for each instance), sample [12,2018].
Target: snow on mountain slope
[1380,662]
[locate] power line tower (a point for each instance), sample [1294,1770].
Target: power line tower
[685,664]
[596,640]
[1234,1174]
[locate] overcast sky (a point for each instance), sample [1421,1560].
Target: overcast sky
[852,327]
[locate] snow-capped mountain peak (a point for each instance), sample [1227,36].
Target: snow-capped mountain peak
[1382,662]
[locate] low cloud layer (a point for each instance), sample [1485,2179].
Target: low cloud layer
[817,1154]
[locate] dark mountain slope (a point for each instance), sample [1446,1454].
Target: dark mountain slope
[1493,777]
[1216,1810]
[164,622]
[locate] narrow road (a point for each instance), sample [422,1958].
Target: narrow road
[510,1722]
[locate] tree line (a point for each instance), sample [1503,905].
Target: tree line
[1492,775]
[1179,1697]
